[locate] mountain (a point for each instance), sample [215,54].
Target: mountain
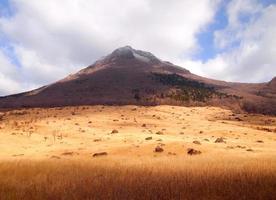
[129,76]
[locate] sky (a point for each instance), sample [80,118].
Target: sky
[44,41]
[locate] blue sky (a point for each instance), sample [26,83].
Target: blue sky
[6,11]
[206,37]
[43,41]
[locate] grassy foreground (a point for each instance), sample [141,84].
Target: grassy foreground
[159,178]
[49,154]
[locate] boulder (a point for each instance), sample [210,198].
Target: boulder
[114,131]
[158,149]
[196,142]
[148,138]
[100,154]
[220,140]
[192,151]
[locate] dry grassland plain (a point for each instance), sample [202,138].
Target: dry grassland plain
[133,152]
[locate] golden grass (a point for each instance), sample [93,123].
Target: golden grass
[48,154]
[159,178]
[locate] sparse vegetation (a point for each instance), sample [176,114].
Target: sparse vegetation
[187,89]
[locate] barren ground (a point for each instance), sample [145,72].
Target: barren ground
[48,153]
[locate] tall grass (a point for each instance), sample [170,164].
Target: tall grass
[166,178]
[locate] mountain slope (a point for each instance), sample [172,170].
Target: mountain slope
[129,76]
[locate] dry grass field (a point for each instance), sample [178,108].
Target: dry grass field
[131,152]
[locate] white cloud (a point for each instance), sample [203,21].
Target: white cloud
[241,14]
[8,74]
[53,38]
[247,44]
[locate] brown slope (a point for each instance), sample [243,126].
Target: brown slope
[260,98]
[113,80]
[129,76]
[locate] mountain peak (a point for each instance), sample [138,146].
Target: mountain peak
[127,56]
[129,76]
[123,52]
[127,52]
[125,48]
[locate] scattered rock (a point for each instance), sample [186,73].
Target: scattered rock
[249,150]
[158,149]
[114,131]
[241,147]
[148,138]
[100,154]
[97,140]
[15,155]
[260,141]
[220,140]
[181,133]
[196,142]
[171,153]
[159,133]
[55,157]
[144,125]
[192,151]
[238,119]
[69,153]
[265,129]
[206,139]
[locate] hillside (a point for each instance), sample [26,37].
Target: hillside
[129,76]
